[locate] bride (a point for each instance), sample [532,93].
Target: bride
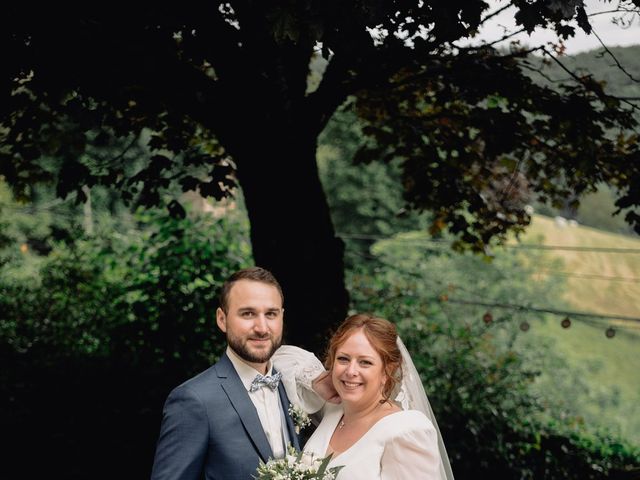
[383,428]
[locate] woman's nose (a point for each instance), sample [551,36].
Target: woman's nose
[352,369]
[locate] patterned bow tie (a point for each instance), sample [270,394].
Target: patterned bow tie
[270,381]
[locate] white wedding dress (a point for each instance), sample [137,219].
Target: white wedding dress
[400,446]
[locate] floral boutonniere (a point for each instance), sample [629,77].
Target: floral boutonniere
[299,417]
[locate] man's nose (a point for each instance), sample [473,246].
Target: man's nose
[260,324]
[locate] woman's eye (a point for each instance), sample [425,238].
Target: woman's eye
[366,362]
[343,359]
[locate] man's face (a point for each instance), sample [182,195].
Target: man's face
[253,323]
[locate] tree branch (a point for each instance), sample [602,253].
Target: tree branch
[617,10]
[541,73]
[349,69]
[492,43]
[610,53]
[497,12]
[601,95]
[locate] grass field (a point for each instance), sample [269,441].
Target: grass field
[602,282]
[610,366]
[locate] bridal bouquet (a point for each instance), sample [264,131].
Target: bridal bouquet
[297,466]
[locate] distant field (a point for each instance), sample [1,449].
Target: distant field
[613,365]
[619,294]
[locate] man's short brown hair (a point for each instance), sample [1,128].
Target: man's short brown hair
[255,274]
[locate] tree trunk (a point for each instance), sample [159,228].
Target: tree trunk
[291,231]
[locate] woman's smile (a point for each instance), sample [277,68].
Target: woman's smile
[357,371]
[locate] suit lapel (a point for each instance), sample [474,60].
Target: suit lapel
[239,398]
[284,401]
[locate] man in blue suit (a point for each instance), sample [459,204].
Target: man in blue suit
[220,423]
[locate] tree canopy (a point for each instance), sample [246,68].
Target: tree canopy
[218,93]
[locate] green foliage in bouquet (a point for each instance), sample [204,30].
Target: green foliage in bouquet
[297,466]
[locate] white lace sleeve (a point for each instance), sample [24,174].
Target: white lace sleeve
[299,368]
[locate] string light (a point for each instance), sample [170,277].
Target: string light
[519,246]
[587,318]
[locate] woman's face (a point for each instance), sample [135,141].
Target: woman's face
[358,371]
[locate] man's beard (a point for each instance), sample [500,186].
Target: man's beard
[244,353]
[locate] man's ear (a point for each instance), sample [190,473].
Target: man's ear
[221,320]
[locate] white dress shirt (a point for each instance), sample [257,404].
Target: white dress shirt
[267,403]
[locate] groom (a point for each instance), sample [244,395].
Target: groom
[221,423]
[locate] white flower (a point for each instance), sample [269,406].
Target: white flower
[297,466]
[299,417]
[307,459]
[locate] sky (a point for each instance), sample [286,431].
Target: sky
[612,35]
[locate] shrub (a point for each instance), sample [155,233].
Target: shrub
[97,338]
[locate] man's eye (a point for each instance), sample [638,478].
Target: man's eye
[272,314]
[247,314]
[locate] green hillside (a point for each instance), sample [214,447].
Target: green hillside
[610,367]
[597,281]
[601,65]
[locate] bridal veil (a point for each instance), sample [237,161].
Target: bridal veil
[413,397]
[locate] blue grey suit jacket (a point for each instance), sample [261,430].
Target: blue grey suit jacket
[210,429]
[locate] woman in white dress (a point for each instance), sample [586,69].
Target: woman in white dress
[370,433]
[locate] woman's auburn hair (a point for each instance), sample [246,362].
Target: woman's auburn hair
[382,335]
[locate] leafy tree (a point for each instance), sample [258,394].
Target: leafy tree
[365,200]
[220,92]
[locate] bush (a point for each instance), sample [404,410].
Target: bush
[98,337]
[146,298]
